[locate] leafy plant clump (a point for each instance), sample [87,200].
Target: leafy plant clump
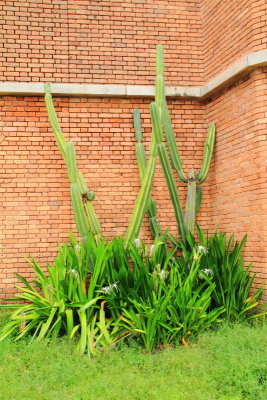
[100,293]
[223,264]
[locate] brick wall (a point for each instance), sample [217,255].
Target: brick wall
[231,29]
[239,176]
[99,41]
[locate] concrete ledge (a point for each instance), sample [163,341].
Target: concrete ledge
[221,81]
[234,72]
[19,88]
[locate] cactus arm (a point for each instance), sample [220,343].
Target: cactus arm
[60,139]
[153,221]
[161,115]
[143,196]
[137,125]
[85,216]
[79,213]
[94,225]
[165,163]
[166,166]
[82,210]
[141,201]
[140,149]
[174,152]
[160,87]
[208,151]
[166,121]
[82,184]
[198,198]
[190,210]
[142,164]
[76,200]
[71,163]
[141,159]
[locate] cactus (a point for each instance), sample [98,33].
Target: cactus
[161,123]
[142,164]
[194,194]
[208,150]
[79,213]
[144,194]
[85,216]
[60,139]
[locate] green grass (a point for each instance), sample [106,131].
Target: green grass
[229,364]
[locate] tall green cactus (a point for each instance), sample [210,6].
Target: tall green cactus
[85,216]
[144,194]
[142,164]
[185,223]
[194,193]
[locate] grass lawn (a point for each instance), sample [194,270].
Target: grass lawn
[229,364]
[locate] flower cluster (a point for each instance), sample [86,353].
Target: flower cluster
[202,249]
[161,273]
[137,243]
[110,289]
[73,272]
[198,251]
[207,272]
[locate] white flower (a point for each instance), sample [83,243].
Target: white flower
[109,289]
[202,249]
[208,271]
[73,272]
[163,275]
[137,243]
[115,286]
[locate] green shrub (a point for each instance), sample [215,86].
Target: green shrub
[64,300]
[100,293]
[223,264]
[154,298]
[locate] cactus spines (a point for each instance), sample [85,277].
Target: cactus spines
[190,209]
[137,125]
[139,149]
[71,163]
[160,92]
[141,159]
[153,221]
[156,123]
[173,149]
[79,213]
[82,185]
[94,225]
[159,60]
[198,198]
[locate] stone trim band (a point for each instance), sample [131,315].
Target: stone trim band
[221,81]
